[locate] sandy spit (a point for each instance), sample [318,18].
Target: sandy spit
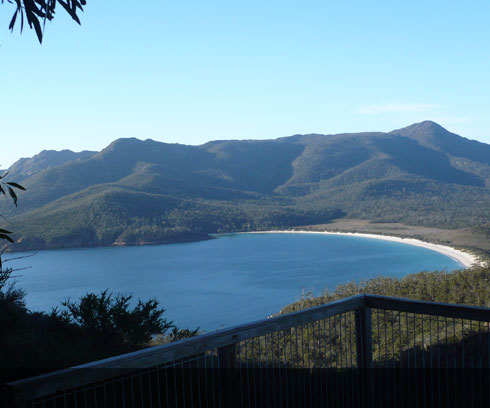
[466,259]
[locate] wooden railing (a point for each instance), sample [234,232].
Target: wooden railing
[364,350]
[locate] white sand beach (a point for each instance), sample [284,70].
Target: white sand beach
[466,259]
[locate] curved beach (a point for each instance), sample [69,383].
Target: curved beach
[466,259]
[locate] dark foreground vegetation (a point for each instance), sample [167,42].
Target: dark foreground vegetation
[97,326]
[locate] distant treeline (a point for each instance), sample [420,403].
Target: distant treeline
[467,287]
[110,222]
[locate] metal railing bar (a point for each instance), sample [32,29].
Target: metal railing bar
[477,313]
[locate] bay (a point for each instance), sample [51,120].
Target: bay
[233,279]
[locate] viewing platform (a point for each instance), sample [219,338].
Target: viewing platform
[360,351]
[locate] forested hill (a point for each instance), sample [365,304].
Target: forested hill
[136,191]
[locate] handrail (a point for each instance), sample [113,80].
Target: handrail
[476,313]
[78,376]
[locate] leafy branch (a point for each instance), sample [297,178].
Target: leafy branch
[8,187]
[36,12]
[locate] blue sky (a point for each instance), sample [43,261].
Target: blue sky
[192,71]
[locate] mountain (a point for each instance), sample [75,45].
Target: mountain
[434,136]
[141,191]
[26,167]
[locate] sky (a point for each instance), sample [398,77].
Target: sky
[193,71]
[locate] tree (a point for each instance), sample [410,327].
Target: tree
[36,12]
[108,319]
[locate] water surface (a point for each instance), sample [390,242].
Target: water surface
[221,282]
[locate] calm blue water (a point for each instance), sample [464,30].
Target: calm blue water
[221,282]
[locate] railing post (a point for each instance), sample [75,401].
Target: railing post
[227,356]
[227,365]
[364,343]
[364,338]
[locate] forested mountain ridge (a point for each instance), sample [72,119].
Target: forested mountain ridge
[136,191]
[26,167]
[434,136]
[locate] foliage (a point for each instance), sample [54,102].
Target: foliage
[128,217]
[36,12]
[96,327]
[483,230]
[8,187]
[467,286]
[10,297]
[107,318]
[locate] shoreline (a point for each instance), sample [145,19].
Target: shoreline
[465,259]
